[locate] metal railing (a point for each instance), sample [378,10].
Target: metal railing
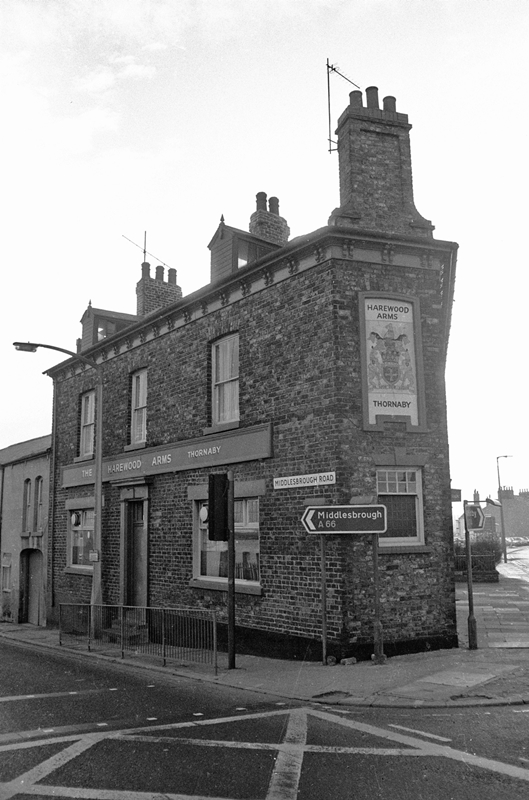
[480,563]
[171,634]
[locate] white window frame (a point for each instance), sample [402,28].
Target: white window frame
[138,419]
[87,424]
[246,522]
[398,481]
[74,529]
[225,380]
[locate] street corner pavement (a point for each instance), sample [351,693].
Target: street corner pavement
[496,673]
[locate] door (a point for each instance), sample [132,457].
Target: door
[136,555]
[31,608]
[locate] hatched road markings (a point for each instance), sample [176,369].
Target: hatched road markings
[285,778]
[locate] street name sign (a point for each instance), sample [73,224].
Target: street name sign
[345,519]
[475,517]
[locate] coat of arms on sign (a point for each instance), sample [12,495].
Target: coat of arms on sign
[390,361]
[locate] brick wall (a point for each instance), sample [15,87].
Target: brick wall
[299,370]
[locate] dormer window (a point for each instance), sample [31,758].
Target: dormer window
[105,328]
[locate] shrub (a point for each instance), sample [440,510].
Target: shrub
[481,544]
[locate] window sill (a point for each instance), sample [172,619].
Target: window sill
[137,446]
[404,548]
[222,586]
[83,458]
[226,426]
[79,571]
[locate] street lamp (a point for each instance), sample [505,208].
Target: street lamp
[31,347]
[502,516]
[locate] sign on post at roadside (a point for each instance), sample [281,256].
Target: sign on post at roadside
[475,518]
[345,519]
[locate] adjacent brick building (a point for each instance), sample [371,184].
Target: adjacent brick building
[313,368]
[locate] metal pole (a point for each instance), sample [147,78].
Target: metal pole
[323,549]
[472,627]
[378,638]
[96,598]
[502,517]
[231,574]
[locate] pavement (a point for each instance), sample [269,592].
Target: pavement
[496,673]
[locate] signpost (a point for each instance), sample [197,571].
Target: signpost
[351,519]
[474,520]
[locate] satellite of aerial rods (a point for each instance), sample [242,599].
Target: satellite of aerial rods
[144,248]
[332,68]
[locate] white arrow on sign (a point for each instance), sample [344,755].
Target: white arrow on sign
[345,519]
[307,519]
[475,517]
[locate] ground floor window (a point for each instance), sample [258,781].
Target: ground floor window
[213,562]
[400,490]
[81,538]
[6,572]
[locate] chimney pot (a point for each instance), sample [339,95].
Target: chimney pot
[390,104]
[261,201]
[145,269]
[372,96]
[273,205]
[355,98]
[171,276]
[159,272]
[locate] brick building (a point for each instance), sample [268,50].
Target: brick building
[24,499]
[313,368]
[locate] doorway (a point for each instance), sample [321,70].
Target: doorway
[31,602]
[136,554]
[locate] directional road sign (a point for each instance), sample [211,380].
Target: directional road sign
[345,519]
[474,516]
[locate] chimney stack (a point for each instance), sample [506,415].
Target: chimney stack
[376,189]
[154,293]
[267,224]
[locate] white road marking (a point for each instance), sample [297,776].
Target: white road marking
[287,770]
[18,697]
[421,733]
[290,751]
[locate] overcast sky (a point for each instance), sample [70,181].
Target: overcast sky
[125,116]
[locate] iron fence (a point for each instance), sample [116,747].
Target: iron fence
[171,634]
[485,562]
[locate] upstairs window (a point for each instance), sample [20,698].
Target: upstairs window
[225,369]
[86,439]
[400,490]
[26,507]
[138,424]
[38,507]
[105,328]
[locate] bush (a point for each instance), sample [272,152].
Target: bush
[481,544]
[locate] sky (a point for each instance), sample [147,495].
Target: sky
[126,116]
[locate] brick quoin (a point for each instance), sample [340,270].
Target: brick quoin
[297,309]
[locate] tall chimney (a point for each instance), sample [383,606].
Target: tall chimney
[376,189]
